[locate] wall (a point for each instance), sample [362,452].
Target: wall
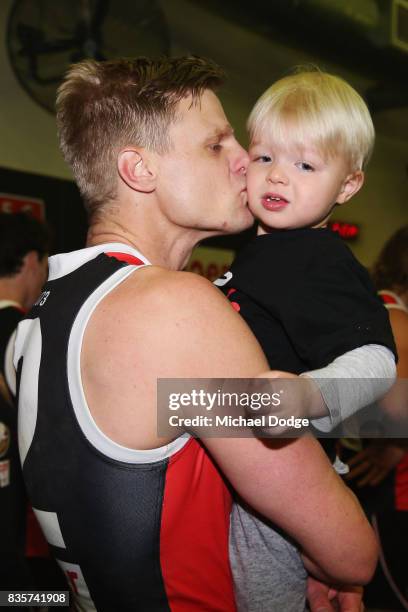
[28,139]
[252,62]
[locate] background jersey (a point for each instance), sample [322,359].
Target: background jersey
[14,572]
[393,302]
[133,530]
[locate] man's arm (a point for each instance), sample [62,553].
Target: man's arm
[294,485]
[178,325]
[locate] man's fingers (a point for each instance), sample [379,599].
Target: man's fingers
[318,596]
[352,600]
[319,602]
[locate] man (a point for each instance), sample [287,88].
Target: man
[23,271]
[136,521]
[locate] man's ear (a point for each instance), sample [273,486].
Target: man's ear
[136,169]
[351,185]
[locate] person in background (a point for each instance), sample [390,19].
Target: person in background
[379,471]
[138,521]
[24,246]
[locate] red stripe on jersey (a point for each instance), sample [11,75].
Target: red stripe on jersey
[401,484]
[130,259]
[388,299]
[194,534]
[235,305]
[36,544]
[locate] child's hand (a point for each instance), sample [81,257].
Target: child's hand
[295,400]
[277,374]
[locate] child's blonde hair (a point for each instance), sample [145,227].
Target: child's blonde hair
[313,106]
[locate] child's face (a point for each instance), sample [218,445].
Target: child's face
[290,188]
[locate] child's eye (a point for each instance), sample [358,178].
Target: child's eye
[304,166]
[263,159]
[216,147]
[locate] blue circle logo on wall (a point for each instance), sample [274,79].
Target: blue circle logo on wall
[45,37]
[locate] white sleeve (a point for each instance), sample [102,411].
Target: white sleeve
[371,372]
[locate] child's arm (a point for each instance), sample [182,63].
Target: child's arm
[327,401]
[370,371]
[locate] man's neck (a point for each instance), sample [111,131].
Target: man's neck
[11,291]
[170,250]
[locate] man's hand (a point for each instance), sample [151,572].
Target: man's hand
[320,596]
[323,598]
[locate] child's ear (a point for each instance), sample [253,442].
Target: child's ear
[136,168]
[351,185]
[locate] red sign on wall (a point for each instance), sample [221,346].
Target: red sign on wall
[12,203]
[348,231]
[210,262]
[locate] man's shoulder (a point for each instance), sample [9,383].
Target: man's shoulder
[154,301]
[181,319]
[167,288]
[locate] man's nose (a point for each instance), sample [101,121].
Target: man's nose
[241,161]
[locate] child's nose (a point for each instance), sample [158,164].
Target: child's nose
[277,174]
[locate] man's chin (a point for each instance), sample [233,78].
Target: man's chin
[239,224]
[236,225]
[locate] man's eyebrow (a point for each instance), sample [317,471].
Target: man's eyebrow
[220,133]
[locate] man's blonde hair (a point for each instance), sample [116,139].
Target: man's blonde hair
[105,106]
[314,107]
